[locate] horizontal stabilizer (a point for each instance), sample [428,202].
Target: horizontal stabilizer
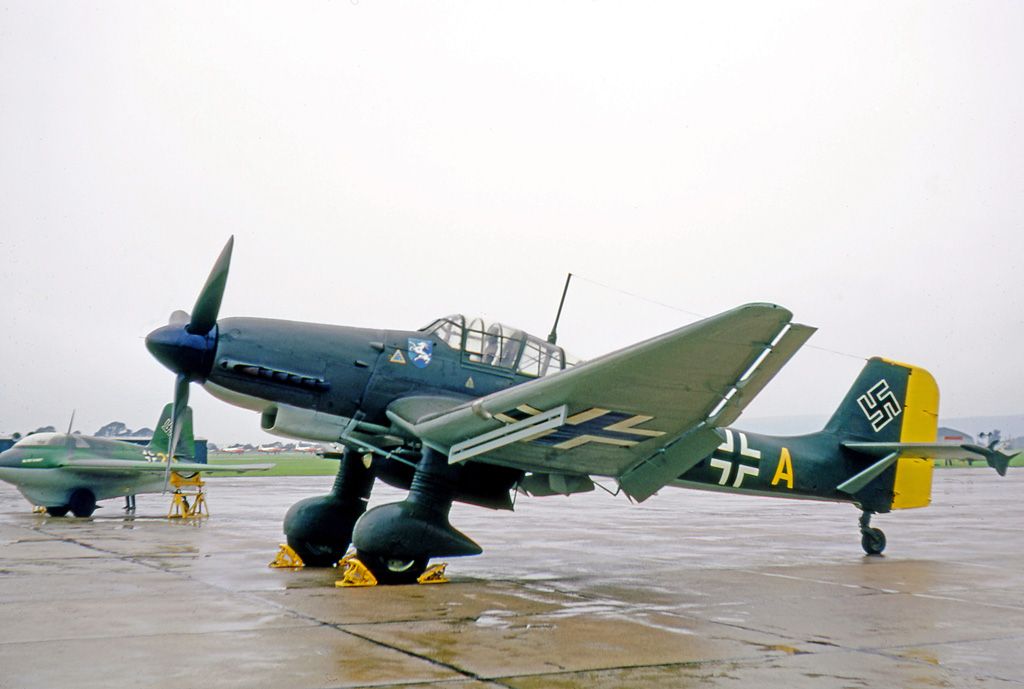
[966,451]
[857,483]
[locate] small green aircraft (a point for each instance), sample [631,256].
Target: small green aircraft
[471,411]
[71,472]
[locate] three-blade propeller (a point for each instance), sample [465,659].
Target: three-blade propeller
[186,345]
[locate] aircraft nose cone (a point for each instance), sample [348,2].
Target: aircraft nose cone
[183,352]
[10,458]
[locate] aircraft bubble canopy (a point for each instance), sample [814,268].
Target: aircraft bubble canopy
[500,345]
[42,440]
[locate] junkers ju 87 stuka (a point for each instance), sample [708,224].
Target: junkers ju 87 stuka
[470,411]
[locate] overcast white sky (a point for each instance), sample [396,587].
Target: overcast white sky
[383,163]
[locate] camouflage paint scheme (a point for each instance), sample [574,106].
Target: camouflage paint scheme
[472,411]
[63,471]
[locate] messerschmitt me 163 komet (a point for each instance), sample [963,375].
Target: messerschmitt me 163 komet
[66,472]
[469,411]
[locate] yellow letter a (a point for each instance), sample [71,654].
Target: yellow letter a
[784,472]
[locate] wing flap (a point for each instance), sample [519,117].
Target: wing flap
[670,462]
[771,361]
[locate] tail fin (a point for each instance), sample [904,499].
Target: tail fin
[161,434]
[889,402]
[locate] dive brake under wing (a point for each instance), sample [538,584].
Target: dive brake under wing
[643,414]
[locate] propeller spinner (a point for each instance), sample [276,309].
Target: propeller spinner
[187,344]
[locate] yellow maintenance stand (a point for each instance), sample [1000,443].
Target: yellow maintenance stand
[184,488]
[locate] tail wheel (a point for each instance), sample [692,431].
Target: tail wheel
[82,503]
[390,570]
[873,541]
[57,510]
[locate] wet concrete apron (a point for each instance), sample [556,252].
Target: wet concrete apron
[688,589]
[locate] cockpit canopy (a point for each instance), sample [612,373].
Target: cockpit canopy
[500,345]
[63,440]
[50,440]
[41,440]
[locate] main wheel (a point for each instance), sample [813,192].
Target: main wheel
[82,503]
[873,541]
[389,570]
[317,554]
[57,510]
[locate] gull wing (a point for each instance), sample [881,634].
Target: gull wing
[643,414]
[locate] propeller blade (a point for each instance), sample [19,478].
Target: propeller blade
[177,411]
[204,314]
[179,318]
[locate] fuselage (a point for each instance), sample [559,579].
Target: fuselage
[38,466]
[808,466]
[342,374]
[343,371]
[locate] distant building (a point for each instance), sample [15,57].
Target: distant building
[6,441]
[951,435]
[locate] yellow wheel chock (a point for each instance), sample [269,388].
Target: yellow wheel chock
[355,573]
[180,506]
[38,509]
[287,558]
[434,574]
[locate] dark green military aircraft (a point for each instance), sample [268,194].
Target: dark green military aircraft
[471,411]
[68,472]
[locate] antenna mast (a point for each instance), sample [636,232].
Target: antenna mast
[553,336]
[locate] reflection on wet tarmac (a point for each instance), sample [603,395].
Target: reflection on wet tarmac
[688,589]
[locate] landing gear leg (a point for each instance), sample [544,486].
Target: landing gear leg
[129,504]
[872,540]
[396,541]
[319,529]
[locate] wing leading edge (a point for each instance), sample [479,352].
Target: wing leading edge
[643,414]
[137,465]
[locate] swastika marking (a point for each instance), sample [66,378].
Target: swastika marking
[879,405]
